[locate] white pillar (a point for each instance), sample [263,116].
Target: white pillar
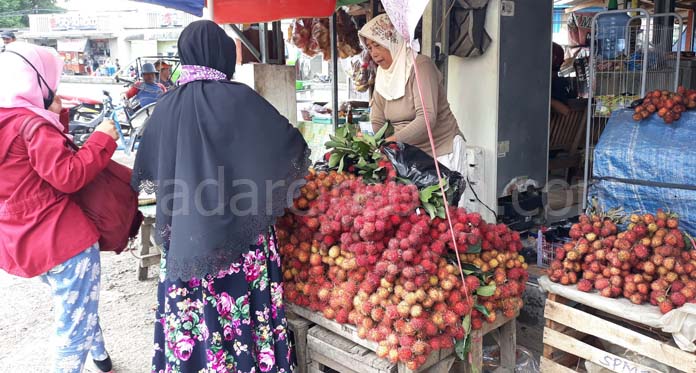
[209,12]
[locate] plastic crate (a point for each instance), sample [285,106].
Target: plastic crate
[546,251]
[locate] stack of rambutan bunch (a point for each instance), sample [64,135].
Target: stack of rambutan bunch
[368,255]
[652,260]
[668,105]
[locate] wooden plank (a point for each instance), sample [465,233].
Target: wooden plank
[350,332]
[499,321]
[593,354]
[335,352]
[315,368]
[548,366]
[327,362]
[621,336]
[346,331]
[299,328]
[443,366]
[508,345]
[476,352]
[434,358]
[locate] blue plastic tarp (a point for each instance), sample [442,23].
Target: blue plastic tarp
[647,165]
[194,7]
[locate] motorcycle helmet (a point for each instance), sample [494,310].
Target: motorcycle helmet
[149,68]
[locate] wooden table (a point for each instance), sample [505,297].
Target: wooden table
[572,334]
[506,326]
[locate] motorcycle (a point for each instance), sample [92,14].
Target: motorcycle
[85,116]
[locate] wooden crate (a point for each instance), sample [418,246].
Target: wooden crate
[506,326]
[350,333]
[299,328]
[565,343]
[329,350]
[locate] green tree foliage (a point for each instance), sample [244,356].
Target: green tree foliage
[13,12]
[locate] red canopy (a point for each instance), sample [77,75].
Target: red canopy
[255,11]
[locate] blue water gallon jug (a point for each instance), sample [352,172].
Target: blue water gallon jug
[611,34]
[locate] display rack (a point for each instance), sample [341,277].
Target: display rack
[627,60]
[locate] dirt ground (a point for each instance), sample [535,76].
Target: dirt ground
[126,312]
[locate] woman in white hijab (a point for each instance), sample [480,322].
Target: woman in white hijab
[397,99]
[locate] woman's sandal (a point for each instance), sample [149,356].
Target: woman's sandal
[104,366]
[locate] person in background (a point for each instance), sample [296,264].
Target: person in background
[396,98]
[147,90]
[44,233]
[220,293]
[165,74]
[95,66]
[561,90]
[8,37]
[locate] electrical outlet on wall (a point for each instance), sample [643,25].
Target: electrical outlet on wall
[474,161]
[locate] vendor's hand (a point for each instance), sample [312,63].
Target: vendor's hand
[108,127]
[391,139]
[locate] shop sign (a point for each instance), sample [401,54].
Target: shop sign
[74,21]
[171,20]
[163,36]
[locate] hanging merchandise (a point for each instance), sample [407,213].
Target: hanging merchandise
[364,72]
[580,28]
[321,33]
[469,37]
[348,42]
[302,37]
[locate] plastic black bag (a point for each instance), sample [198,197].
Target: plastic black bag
[417,166]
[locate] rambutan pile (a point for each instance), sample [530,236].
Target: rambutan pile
[369,256]
[649,261]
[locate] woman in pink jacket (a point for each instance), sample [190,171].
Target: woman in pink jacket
[42,232]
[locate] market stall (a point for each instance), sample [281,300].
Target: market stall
[375,252]
[633,281]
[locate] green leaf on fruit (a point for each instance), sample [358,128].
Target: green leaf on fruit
[486,291]
[370,140]
[466,324]
[482,309]
[341,164]
[334,160]
[333,144]
[426,194]
[460,348]
[382,131]
[441,213]
[474,249]
[470,269]
[430,209]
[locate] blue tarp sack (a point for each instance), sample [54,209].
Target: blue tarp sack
[644,166]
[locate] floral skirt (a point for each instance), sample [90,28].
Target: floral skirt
[232,322]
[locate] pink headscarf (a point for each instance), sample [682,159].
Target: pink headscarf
[19,85]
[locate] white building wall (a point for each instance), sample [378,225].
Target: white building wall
[473,92]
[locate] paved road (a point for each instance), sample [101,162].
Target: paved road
[93,91]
